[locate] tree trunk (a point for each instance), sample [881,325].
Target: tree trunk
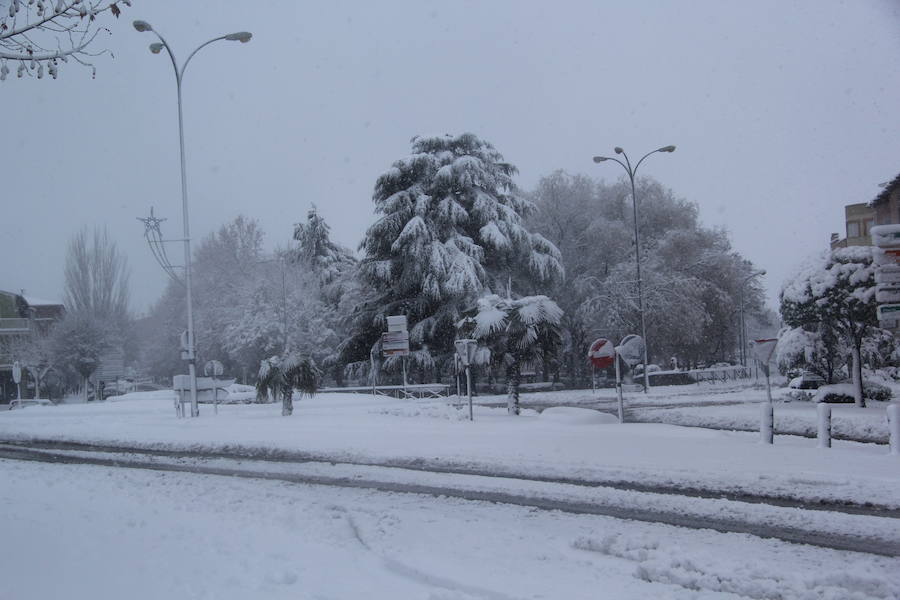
[512,387]
[84,389]
[857,376]
[287,402]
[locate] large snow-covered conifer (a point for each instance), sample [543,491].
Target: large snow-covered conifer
[450,229]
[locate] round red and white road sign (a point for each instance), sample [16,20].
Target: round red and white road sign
[602,353]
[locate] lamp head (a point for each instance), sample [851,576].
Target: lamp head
[156,47]
[667,149]
[618,150]
[142,26]
[241,36]
[600,159]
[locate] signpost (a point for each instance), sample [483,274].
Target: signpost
[762,351]
[630,350]
[465,350]
[17,379]
[395,342]
[602,354]
[214,369]
[886,257]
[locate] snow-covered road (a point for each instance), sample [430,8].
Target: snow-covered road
[80,531]
[877,532]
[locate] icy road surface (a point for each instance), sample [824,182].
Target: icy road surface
[109,533]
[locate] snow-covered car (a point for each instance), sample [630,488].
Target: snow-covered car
[806,381]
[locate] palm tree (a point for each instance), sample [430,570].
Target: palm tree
[282,375]
[517,331]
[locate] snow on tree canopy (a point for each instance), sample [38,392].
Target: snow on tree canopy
[450,228]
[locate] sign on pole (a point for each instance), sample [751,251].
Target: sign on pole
[395,343]
[465,351]
[631,349]
[396,323]
[213,368]
[602,353]
[17,372]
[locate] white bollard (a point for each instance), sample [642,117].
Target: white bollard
[893,415]
[766,422]
[824,434]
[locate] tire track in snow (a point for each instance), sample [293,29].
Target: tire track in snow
[782,532]
[265,454]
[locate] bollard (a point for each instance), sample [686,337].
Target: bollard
[766,423]
[824,433]
[893,415]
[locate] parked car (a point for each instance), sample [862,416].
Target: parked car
[806,381]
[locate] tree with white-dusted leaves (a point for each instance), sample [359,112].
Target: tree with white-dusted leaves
[835,292]
[450,229]
[515,331]
[37,36]
[281,375]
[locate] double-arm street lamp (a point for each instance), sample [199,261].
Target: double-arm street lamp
[637,247]
[155,48]
[743,336]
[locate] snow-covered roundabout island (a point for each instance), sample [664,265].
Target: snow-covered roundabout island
[382,498]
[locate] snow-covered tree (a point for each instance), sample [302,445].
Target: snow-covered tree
[691,276]
[835,291]
[316,251]
[515,331]
[36,36]
[281,375]
[450,229]
[96,277]
[81,339]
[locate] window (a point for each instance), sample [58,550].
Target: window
[869,225]
[852,229]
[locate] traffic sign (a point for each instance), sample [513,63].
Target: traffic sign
[465,349]
[602,353]
[17,372]
[888,312]
[395,343]
[887,293]
[631,349]
[396,323]
[762,350]
[213,368]
[886,256]
[886,236]
[887,274]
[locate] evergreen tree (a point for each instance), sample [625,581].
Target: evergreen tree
[450,229]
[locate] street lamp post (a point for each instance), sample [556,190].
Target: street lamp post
[637,247]
[155,48]
[743,332]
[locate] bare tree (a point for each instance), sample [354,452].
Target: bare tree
[41,34]
[97,277]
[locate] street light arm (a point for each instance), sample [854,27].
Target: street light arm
[643,157]
[171,54]
[191,55]
[613,159]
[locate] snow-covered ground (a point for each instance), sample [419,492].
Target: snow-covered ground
[91,532]
[799,418]
[383,430]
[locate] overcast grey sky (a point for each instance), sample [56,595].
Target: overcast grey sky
[783,112]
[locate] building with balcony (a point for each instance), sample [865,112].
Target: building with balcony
[887,204]
[22,316]
[859,219]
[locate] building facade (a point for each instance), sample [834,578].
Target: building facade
[21,317]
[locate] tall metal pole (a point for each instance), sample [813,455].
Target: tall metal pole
[743,326]
[637,255]
[637,246]
[242,37]
[191,356]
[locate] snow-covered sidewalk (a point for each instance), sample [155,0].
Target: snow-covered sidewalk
[382,430]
